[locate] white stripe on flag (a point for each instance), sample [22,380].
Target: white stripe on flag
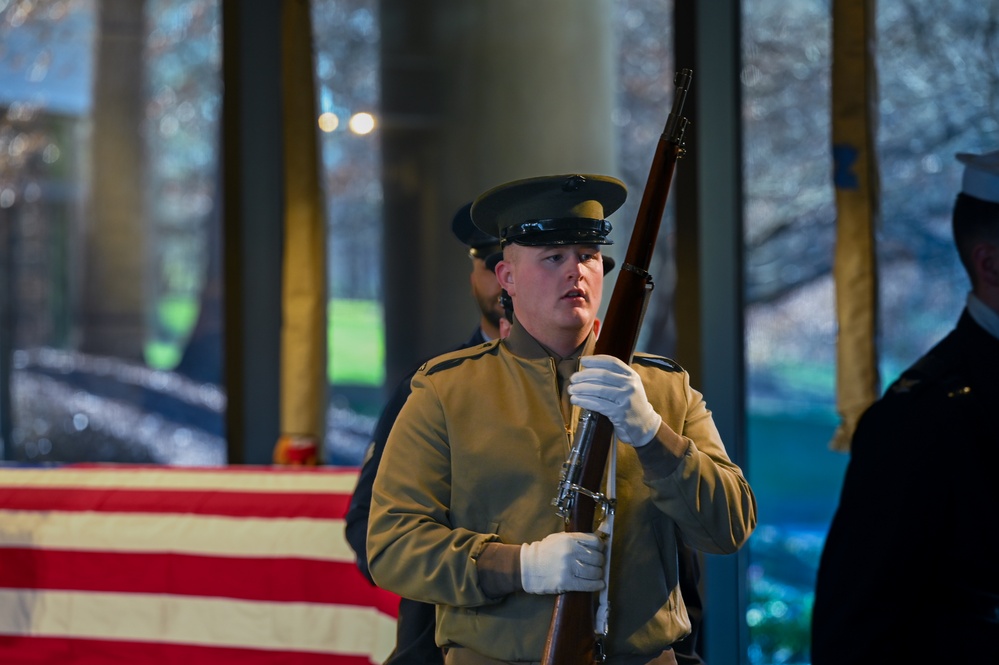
[187,533]
[172,478]
[284,626]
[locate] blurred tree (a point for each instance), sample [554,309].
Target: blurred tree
[113,273]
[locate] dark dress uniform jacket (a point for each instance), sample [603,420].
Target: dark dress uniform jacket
[475,457]
[910,569]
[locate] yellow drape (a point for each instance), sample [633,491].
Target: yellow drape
[854,108]
[304,320]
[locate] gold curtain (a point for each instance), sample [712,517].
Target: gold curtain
[854,109]
[304,319]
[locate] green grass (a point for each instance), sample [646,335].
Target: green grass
[162,355]
[175,318]
[177,315]
[356,343]
[355,339]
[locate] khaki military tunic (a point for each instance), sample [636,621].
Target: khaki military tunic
[475,458]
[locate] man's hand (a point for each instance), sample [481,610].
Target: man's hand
[563,562]
[612,388]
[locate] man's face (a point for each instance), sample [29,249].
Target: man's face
[556,288]
[486,291]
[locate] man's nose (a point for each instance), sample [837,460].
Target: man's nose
[574,267]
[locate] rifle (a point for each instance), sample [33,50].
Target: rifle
[571,636]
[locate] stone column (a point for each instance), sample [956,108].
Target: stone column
[475,94]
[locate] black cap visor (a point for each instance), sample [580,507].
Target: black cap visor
[565,231]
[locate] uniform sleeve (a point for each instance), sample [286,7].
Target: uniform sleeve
[356,520]
[705,492]
[413,549]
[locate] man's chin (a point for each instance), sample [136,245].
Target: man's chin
[576,319]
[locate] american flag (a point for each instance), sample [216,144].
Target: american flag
[165,565]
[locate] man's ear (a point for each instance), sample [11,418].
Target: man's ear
[504,274]
[985,258]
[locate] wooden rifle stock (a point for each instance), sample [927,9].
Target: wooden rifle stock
[571,636]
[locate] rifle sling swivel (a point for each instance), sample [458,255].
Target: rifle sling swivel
[605,503]
[644,274]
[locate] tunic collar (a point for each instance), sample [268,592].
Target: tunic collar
[983,315]
[521,343]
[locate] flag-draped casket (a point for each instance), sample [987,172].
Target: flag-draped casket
[151,564]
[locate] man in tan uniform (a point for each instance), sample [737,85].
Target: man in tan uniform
[461,512]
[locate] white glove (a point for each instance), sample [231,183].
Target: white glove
[563,562]
[612,388]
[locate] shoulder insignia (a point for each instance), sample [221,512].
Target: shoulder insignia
[905,384]
[456,358]
[955,386]
[928,373]
[661,362]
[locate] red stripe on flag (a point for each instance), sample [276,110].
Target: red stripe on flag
[264,579]
[50,651]
[320,505]
[235,468]
[162,572]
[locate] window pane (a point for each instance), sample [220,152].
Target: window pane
[110,336]
[790,331]
[346,34]
[934,91]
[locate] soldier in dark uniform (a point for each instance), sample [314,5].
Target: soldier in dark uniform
[461,512]
[910,568]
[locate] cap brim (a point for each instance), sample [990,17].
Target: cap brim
[563,238]
[481,243]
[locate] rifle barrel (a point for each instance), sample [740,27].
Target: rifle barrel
[571,636]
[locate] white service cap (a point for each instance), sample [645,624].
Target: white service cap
[981,175]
